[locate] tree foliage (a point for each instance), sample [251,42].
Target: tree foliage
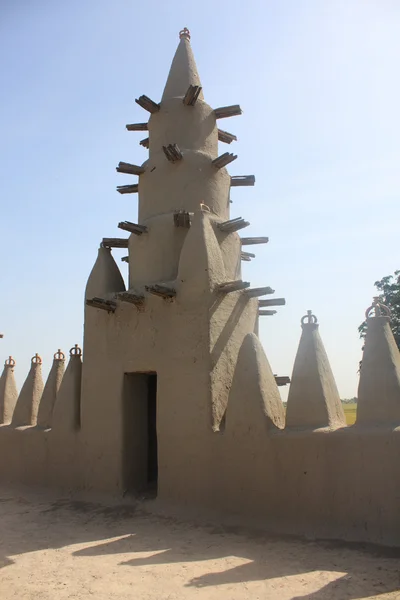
[389,295]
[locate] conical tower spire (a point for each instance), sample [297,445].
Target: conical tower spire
[379,387]
[313,399]
[183,72]
[8,391]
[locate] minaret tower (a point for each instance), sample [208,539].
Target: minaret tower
[185,312]
[182,171]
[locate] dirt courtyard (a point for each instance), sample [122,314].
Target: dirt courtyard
[53,548]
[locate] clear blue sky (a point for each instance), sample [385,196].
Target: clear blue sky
[319,85]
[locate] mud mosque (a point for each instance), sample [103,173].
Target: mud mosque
[173,392]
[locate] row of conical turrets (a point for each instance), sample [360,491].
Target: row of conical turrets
[313,401]
[55,404]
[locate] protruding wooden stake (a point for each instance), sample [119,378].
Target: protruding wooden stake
[191,95]
[131,298]
[227,111]
[233,225]
[129,169]
[115,242]
[137,127]
[145,143]
[125,259]
[233,286]
[161,290]
[107,305]
[128,189]
[247,256]
[266,313]
[172,153]
[242,180]
[132,227]
[272,302]
[227,138]
[261,291]
[224,160]
[282,380]
[250,241]
[182,219]
[148,104]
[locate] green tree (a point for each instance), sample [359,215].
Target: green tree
[389,295]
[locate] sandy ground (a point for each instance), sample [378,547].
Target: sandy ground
[53,549]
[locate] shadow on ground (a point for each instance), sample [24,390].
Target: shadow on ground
[362,570]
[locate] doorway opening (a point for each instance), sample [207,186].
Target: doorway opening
[140,462]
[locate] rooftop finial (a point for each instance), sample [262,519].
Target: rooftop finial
[309,319]
[379,309]
[184,33]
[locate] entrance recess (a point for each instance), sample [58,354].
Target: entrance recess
[140,465]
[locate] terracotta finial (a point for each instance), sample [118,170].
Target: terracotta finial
[75,351]
[379,309]
[311,319]
[10,362]
[36,360]
[59,355]
[184,33]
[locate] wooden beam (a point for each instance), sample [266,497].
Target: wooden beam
[172,153]
[115,242]
[107,305]
[282,380]
[233,225]
[128,189]
[250,241]
[245,258]
[227,111]
[145,143]
[227,138]
[223,160]
[125,259]
[132,227]
[148,104]
[137,127]
[161,290]
[273,302]
[191,95]
[131,298]
[129,169]
[247,255]
[261,291]
[182,219]
[242,180]
[266,313]
[233,286]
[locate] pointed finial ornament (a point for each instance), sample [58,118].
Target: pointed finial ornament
[184,33]
[10,362]
[378,309]
[310,318]
[75,351]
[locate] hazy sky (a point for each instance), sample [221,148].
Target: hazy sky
[318,82]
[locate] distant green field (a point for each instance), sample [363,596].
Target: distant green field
[350,413]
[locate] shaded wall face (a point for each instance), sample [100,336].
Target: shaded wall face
[155,255]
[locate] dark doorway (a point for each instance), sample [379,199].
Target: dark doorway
[140,462]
